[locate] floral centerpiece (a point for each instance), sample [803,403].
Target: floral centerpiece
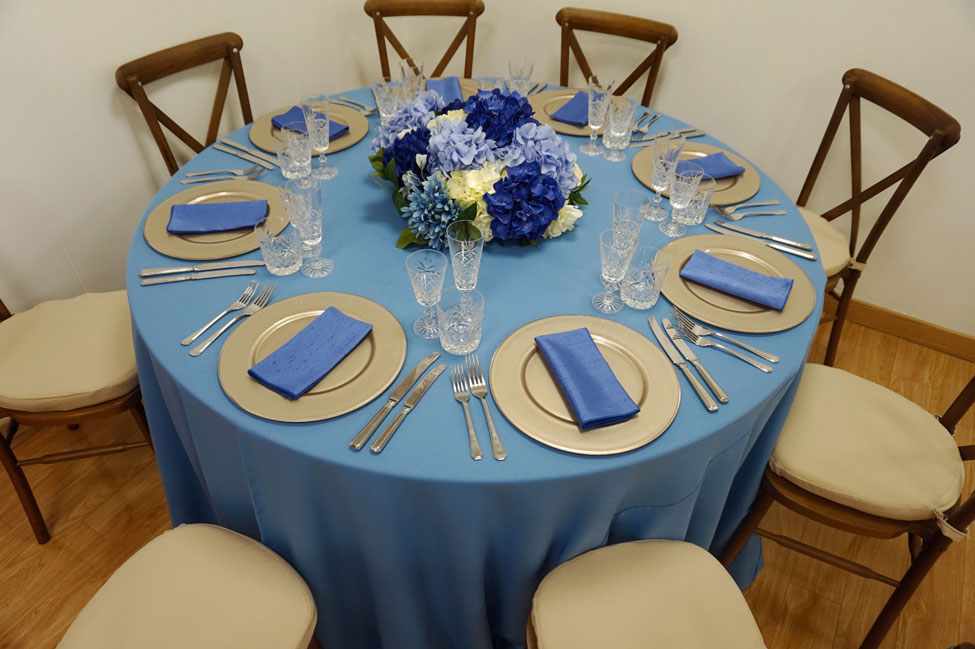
[486,160]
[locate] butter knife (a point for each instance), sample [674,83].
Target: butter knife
[217,265]
[243,156]
[776,246]
[252,152]
[709,403]
[692,357]
[401,388]
[204,275]
[408,405]
[763,235]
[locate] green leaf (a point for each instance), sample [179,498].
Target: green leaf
[390,171]
[409,237]
[575,196]
[399,200]
[468,213]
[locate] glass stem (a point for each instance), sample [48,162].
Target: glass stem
[430,313]
[592,136]
[656,198]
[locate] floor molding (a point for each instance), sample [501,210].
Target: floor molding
[903,326]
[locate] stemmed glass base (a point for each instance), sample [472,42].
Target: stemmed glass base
[673,228]
[655,212]
[317,267]
[426,325]
[614,155]
[324,172]
[592,148]
[608,302]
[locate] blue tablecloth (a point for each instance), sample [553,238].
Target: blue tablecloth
[420,546]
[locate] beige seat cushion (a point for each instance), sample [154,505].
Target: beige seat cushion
[67,354]
[834,247]
[198,587]
[643,594]
[861,445]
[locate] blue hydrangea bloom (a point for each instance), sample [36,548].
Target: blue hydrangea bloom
[533,142]
[524,203]
[457,146]
[429,210]
[497,113]
[418,113]
[405,149]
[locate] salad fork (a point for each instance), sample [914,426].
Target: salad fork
[254,173]
[684,323]
[459,382]
[234,172]
[701,341]
[358,105]
[480,390]
[259,303]
[244,299]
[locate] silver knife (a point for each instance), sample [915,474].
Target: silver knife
[217,265]
[204,275]
[408,405]
[243,156]
[770,244]
[763,235]
[676,359]
[692,357]
[401,388]
[253,152]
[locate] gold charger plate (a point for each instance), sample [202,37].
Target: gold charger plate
[529,397]
[212,245]
[262,131]
[361,376]
[548,101]
[726,311]
[727,191]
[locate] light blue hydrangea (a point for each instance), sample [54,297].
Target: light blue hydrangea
[458,146]
[540,143]
[429,210]
[417,113]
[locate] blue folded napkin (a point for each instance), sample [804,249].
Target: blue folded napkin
[587,382]
[295,116]
[575,111]
[215,217]
[736,280]
[448,88]
[716,165]
[312,353]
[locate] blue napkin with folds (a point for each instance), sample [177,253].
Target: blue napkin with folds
[575,111]
[197,218]
[448,88]
[313,352]
[716,165]
[735,280]
[294,115]
[585,378]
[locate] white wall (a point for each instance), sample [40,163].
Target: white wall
[79,166]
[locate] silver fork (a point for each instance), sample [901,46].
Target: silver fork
[480,390]
[358,105]
[736,216]
[459,382]
[257,171]
[233,172]
[701,341]
[259,303]
[730,209]
[684,322]
[244,299]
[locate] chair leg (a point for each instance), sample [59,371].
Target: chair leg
[849,283]
[748,526]
[22,487]
[139,414]
[930,553]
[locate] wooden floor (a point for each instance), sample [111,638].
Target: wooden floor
[101,510]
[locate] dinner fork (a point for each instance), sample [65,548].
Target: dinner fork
[244,299]
[234,172]
[738,215]
[206,179]
[684,322]
[701,341]
[480,390]
[259,303]
[459,383]
[358,105]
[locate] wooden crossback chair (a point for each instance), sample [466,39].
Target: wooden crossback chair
[841,259]
[890,493]
[38,386]
[134,75]
[660,34]
[379,10]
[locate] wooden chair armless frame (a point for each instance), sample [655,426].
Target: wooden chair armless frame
[379,10]
[605,22]
[134,75]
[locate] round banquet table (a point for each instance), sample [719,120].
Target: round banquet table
[420,546]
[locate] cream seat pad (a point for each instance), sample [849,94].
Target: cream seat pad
[67,354]
[198,587]
[643,594]
[861,445]
[834,247]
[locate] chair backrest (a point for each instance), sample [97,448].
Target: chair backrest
[941,129]
[4,311]
[964,514]
[134,75]
[379,10]
[660,34]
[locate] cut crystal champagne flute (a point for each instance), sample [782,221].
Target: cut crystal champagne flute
[599,95]
[615,251]
[466,244]
[411,72]
[316,111]
[303,201]
[666,151]
[619,126]
[686,180]
[427,269]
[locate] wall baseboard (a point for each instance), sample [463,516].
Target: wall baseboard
[903,326]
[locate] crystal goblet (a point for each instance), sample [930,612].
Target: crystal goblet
[427,269]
